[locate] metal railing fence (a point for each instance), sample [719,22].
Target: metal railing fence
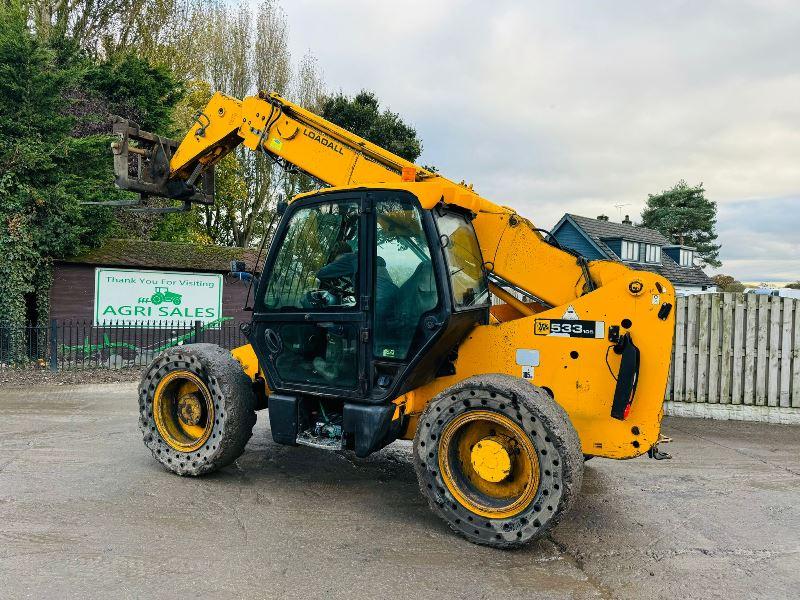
[75,345]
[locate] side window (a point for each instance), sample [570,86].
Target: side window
[405,286]
[317,264]
[464,260]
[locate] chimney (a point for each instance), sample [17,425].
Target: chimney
[602,217]
[627,220]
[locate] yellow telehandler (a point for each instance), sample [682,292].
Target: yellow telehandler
[373,321]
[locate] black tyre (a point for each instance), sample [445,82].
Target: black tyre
[196,409]
[587,457]
[498,460]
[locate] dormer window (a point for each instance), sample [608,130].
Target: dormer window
[687,258]
[630,250]
[652,253]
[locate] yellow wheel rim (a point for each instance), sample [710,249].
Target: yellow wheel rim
[489,464]
[183,411]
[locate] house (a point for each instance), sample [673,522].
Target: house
[640,248]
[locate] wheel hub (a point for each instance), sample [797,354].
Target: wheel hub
[183,410]
[491,458]
[190,409]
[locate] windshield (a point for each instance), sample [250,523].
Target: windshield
[464,260]
[317,264]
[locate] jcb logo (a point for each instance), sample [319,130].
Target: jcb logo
[542,327]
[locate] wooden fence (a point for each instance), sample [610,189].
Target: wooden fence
[736,349]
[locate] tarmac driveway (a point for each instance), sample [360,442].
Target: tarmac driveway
[85,512]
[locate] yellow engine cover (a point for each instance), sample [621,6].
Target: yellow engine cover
[580,372]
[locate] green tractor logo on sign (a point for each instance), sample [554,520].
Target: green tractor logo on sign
[162,294]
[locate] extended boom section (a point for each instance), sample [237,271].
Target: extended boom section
[287,131]
[513,249]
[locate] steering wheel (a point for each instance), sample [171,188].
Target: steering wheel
[319,298]
[341,287]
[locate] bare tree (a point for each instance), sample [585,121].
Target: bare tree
[307,90]
[85,21]
[269,64]
[245,51]
[271,58]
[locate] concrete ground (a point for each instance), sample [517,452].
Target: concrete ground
[85,512]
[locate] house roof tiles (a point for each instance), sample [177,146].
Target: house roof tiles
[598,231]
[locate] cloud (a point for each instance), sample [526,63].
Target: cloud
[761,239]
[557,106]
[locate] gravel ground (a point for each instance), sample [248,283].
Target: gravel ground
[38,376]
[85,512]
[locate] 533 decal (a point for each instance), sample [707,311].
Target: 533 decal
[570,328]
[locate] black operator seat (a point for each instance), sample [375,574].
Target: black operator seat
[418,294]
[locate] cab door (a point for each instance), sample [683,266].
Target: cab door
[429,290]
[310,326]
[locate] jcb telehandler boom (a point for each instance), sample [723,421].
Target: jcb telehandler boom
[372,321]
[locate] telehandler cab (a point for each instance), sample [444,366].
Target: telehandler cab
[373,321]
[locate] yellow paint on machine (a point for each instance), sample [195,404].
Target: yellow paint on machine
[583,385]
[578,371]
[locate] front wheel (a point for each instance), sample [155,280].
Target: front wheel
[196,409]
[498,460]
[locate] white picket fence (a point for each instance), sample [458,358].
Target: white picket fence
[736,349]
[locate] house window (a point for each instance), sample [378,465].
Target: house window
[630,250]
[652,253]
[687,258]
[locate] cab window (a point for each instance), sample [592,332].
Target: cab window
[405,286]
[317,265]
[464,260]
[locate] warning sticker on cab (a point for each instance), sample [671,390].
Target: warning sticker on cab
[570,328]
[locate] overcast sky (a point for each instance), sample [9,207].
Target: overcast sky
[551,107]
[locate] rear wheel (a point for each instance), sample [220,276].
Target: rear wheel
[498,460]
[196,409]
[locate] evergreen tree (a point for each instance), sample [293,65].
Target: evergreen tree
[685,216]
[54,122]
[363,116]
